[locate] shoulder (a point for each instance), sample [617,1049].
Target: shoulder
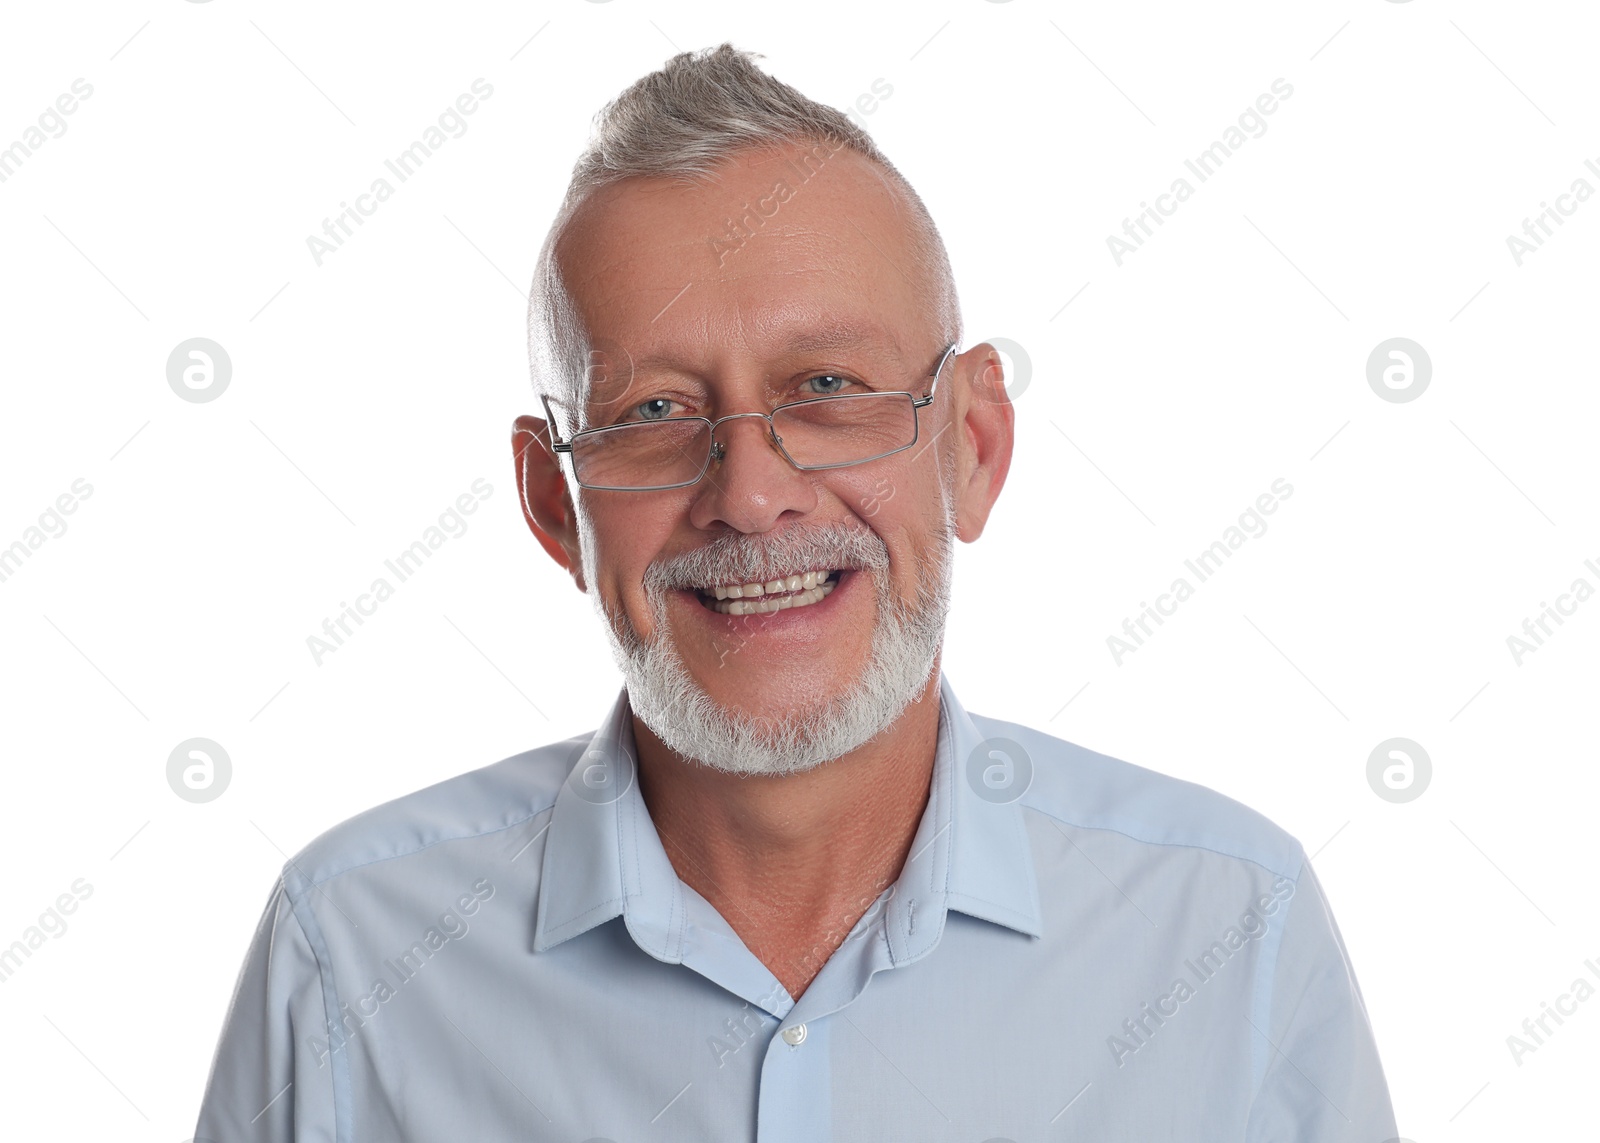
[1080,787]
[474,805]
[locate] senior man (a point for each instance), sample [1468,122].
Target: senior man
[789,890]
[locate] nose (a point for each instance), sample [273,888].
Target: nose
[719,450]
[750,484]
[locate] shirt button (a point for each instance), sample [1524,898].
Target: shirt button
[795,1035]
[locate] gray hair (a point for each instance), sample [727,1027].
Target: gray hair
[682,123]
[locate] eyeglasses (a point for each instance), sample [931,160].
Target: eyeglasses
[818,433]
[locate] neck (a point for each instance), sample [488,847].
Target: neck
[789,859]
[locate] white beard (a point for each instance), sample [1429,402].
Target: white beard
[905,647]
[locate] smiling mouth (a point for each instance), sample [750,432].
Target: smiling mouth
[791,591]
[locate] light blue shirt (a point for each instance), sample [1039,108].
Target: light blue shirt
[1076,948]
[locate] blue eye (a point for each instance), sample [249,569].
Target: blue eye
[828,377]
[655,409]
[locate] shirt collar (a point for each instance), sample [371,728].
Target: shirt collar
[604,858]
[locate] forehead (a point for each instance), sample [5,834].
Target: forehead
[784,250]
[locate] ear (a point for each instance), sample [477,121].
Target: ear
[546,502]
[983,410]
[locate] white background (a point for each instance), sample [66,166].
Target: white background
[369,392]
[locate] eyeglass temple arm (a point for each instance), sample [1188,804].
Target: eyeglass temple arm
[556,443]
[923,402]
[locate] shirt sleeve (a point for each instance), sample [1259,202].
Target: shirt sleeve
[269,1081]
[1322,1081]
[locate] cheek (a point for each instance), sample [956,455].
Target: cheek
[626,537]
[867,495]
[916,543]
[905,485]
[891,500]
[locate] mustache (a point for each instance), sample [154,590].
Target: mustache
[737,557]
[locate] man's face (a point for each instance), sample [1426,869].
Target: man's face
[684,323]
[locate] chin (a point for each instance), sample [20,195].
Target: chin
[776,695]
[820,681]
[793,731]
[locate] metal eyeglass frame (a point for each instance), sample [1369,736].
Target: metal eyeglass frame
[716,450]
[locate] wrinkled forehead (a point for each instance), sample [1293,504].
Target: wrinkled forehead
[782,260]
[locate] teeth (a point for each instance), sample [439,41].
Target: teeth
[802,598]
[793,583]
